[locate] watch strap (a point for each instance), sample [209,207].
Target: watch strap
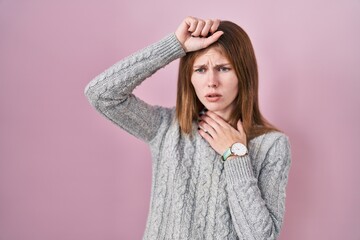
[226,154]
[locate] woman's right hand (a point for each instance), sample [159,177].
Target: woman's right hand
[193,33]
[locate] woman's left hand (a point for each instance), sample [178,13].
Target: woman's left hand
[220,134]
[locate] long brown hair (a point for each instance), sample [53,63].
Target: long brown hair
[237,47]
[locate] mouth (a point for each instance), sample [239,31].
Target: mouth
[213,97]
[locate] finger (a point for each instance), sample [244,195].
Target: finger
[217,119]
[206,136]
[187,26]
[199,28]
[211,122]
[207,128]
[240,126]
[215,25]
[192,23]
[242,132]
[206,29]
[213,38]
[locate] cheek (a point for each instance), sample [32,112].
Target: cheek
[196,85]
[236,89]
[233,90]
[232,86]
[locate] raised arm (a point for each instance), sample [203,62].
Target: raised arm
[111,91]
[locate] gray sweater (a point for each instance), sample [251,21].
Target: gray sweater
[194,195]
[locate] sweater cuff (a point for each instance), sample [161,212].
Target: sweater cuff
[170,48]
[239,169]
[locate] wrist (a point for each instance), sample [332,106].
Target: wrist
[181,41]
[235,150]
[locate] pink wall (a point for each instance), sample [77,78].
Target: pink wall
[67,173]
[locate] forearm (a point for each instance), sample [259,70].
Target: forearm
[118,81]
[110,92]
[258,204]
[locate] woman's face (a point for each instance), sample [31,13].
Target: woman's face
[215,82]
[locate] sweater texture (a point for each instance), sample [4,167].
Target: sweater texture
[194,194]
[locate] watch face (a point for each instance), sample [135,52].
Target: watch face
[238,149]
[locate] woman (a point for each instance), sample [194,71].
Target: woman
[219,168]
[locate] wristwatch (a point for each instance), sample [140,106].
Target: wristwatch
[237,149]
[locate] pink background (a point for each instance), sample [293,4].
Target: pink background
[67,173]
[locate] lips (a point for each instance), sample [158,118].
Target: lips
[213,97]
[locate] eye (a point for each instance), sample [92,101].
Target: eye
[200,70]
[224,69]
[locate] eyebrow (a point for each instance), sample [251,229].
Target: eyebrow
[216,66]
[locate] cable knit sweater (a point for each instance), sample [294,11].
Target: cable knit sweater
[194,195]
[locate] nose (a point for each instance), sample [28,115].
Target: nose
[212,80]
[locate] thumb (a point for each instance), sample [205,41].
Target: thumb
[240,126]
[213,38]
[242,131]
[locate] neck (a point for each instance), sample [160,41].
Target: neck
[224,115]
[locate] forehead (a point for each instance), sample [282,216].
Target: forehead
[212,53]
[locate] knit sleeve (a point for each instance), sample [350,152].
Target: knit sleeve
[257,206]
[111,91]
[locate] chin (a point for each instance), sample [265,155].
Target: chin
[219,110]
[213,108]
